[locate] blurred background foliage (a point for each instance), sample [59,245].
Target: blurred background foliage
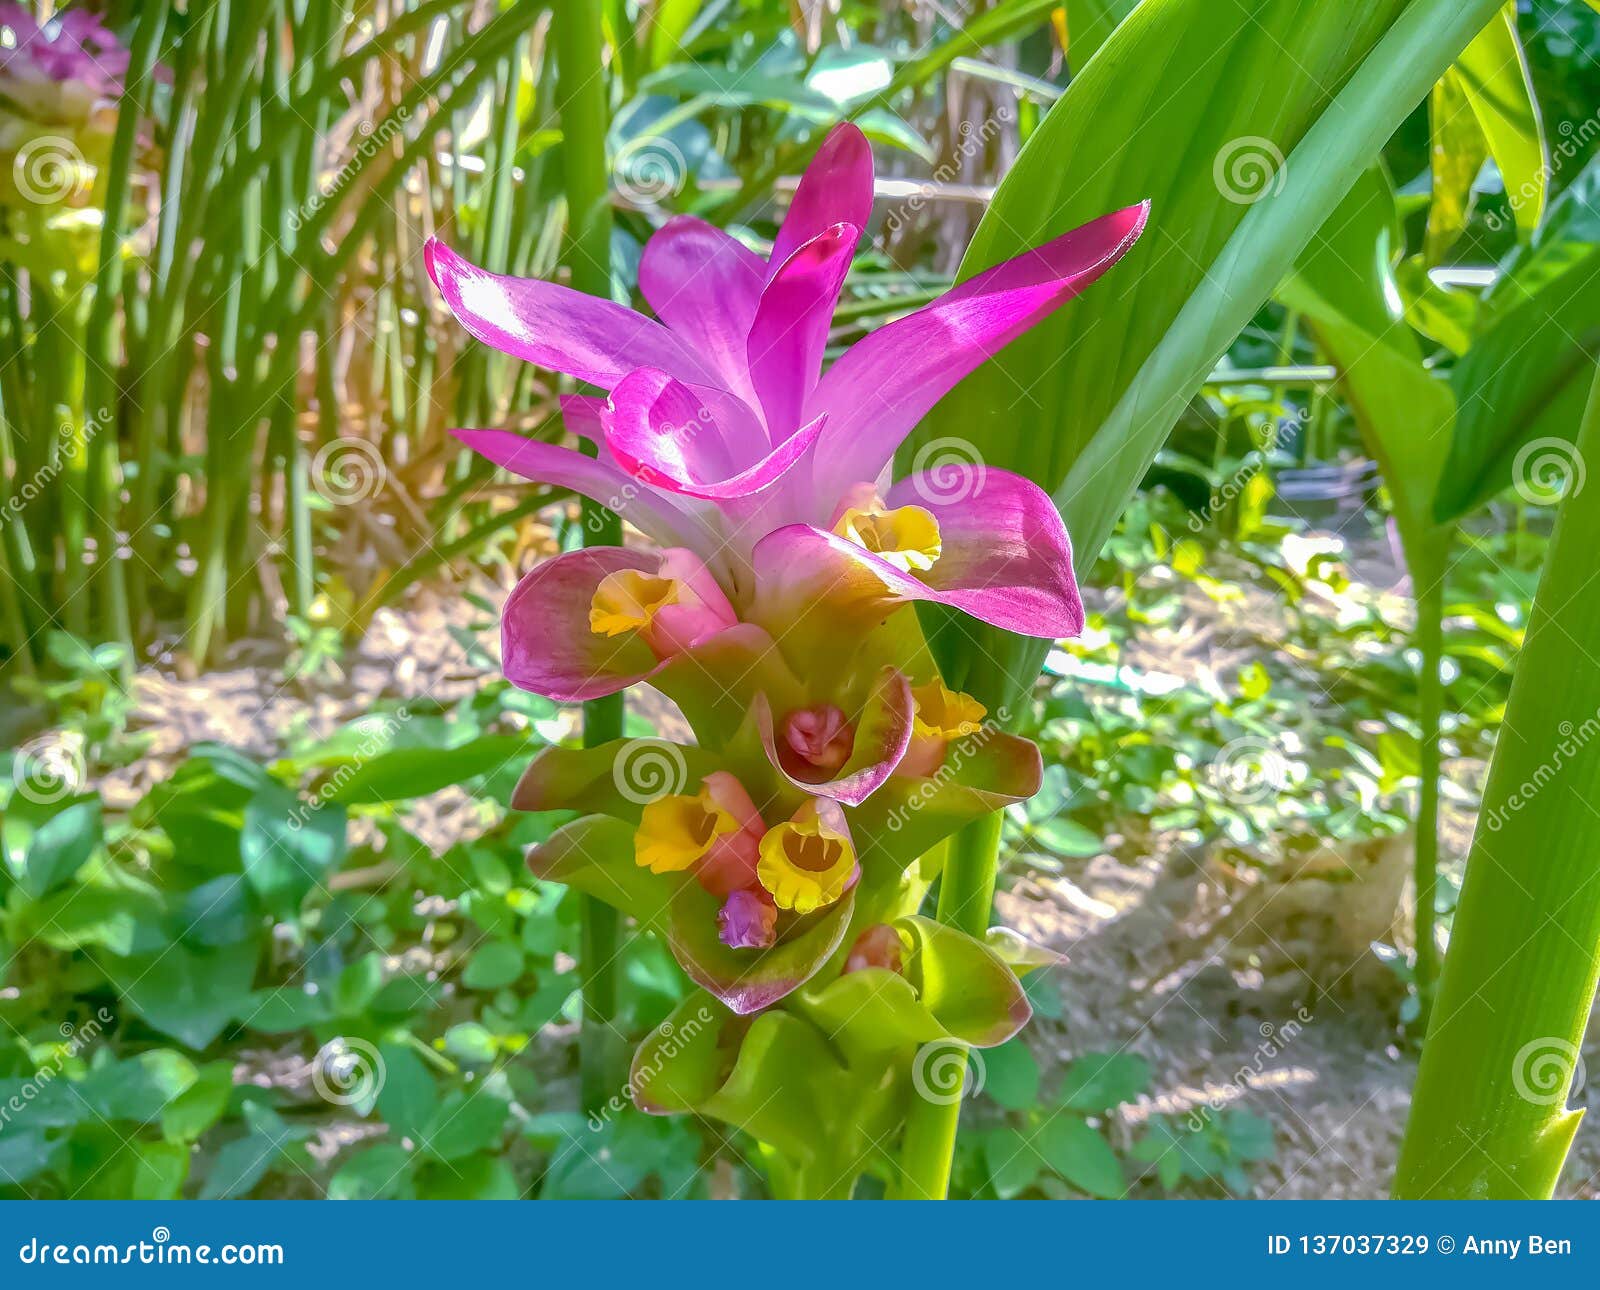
[265,926]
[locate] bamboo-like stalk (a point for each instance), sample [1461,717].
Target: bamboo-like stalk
[1430,712]
[966,897]
[100,339]
[583,113]
[1488,1117]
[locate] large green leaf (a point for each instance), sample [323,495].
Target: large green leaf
[1245,124]
[1522,385]
[1457,154]
[1089,25]
[1344,288]
[1489,1116]
[1494,76]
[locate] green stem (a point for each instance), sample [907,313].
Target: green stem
[966,896]
[100,340]
[583,110]
[1488,1117]
[1430,711]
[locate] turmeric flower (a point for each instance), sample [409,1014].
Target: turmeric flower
[830,757]
[722,435]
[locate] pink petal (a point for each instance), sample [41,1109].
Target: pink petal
[885,384]
[601,481]
[1005,560]
[554,327]
[790,331]
[581,414]
[836,189]
[705,285]
[659,431]
[546,643]
[1005,554]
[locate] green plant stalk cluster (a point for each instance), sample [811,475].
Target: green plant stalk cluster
[1489,1117]
[583,112]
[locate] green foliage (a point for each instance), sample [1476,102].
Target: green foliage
[1092,426]
[1206,1151]
[1073,1139]
[234,919]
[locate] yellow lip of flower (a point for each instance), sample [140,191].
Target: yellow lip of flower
[675,832]
[805,865]
[628,600]
[907,537]
[945,714]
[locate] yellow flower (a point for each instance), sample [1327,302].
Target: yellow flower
[945,714]
[806,863]
[675,832]
[907,537]
[628,601]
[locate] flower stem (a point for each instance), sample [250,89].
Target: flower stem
[966,896]
[1430,709]
[1488,1117]
[583,111]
